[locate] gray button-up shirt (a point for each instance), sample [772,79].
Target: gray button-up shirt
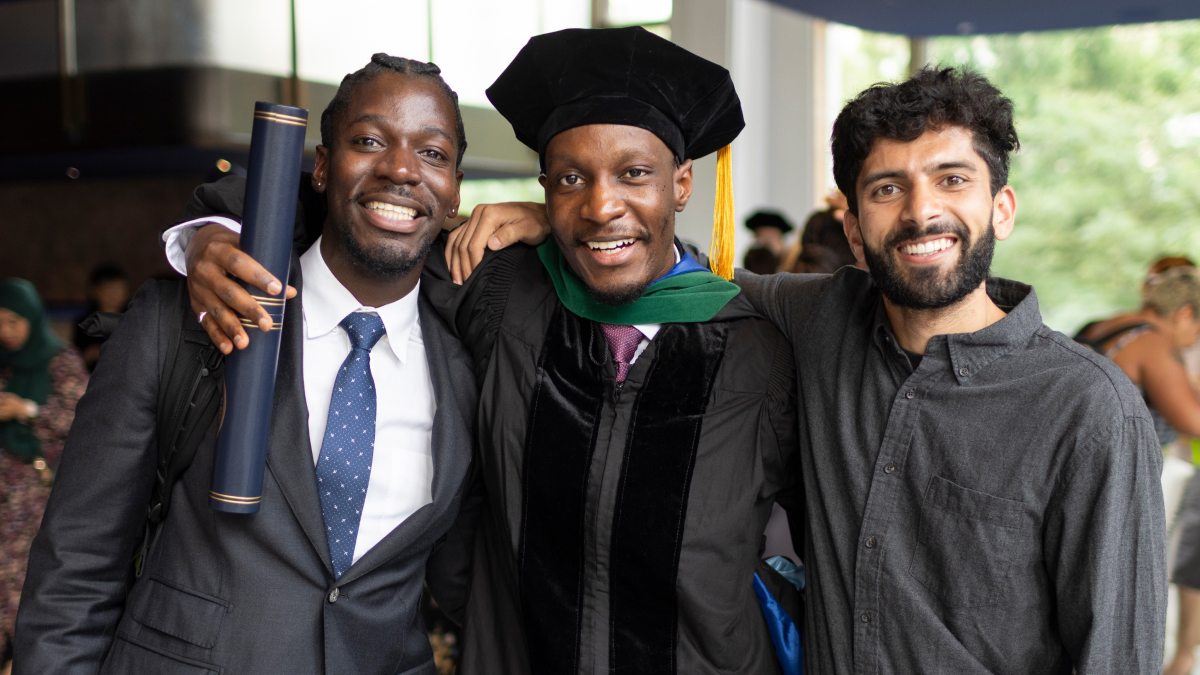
[996,510]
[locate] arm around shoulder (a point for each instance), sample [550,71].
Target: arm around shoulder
[79,564]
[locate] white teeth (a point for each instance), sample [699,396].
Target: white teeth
[609,246]
[392,211]
[928,247]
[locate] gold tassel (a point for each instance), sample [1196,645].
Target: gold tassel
[720,252]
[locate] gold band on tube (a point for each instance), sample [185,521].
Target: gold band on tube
[231,499]
[282,119]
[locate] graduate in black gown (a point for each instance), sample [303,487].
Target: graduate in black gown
[638,416]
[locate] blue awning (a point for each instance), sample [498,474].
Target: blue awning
[956,17]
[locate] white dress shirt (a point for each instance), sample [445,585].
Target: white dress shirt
[649,330]
[402,467]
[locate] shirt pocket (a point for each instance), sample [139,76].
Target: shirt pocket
[966,544]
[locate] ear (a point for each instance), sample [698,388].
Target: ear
[1004,212]
[683,184]
[1184,314]
[320,174]
[854,235]
[458,177]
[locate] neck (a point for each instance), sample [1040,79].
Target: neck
[914,327]
[1149,316]
[367,288]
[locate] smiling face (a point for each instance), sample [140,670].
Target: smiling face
[612,192]
[927,220]
[390,178]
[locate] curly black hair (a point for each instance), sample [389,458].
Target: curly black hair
[935,97]
[382,63]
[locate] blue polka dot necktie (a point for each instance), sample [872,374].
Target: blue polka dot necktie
[344,467]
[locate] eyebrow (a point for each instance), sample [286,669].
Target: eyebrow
[380,119]
[944,166]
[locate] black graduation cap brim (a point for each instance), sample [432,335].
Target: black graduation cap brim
[630,76]
[769,219]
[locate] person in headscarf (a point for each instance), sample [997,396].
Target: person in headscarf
[40,380]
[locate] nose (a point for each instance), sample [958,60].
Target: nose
[603,204]
[923,205]
[399,165]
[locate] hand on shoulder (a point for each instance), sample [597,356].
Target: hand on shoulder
[492,227]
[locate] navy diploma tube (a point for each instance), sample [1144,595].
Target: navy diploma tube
[272,183]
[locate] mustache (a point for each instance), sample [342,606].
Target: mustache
[642,233]
[399,191]
[912,232]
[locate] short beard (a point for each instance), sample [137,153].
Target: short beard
[925,289]
[379,262]
[619,297]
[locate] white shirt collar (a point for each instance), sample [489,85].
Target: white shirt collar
[326,302]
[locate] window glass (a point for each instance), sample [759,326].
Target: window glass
[474,40]
[638,12]
[336,38]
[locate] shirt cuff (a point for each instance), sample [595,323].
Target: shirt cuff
[177,237]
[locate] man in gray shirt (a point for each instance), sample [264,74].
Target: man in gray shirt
[983,494]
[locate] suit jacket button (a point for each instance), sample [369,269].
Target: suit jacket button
[333,595]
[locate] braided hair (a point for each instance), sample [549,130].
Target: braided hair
[383,63]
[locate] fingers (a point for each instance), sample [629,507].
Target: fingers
[236,263]
[205,302]
[222,299]
[476,243]
[457,253]
[216,334]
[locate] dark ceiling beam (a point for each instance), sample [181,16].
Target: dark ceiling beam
[954,17]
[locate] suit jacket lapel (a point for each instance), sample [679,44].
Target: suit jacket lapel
[289,456]
[451,442]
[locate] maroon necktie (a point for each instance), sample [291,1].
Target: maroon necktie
[623,342]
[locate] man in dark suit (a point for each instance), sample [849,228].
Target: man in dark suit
[294,588]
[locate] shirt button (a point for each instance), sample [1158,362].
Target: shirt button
[333,595]
[962,371]
[911,393]
[866,618]
[870,542]
[890,468]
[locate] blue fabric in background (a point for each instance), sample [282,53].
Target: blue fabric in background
[788,647]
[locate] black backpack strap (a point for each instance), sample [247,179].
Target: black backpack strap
[190,396]
[1097,344]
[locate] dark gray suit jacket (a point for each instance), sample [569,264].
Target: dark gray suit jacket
[225,593]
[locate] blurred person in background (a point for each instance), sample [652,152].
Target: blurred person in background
[40,381]
[824,248]
[1186,566]
[108,291]
[1146,345]
[769,229]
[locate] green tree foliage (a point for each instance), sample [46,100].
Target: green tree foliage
[1108,176]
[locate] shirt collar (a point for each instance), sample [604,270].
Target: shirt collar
[649,330]
[326,302]
[970,353]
